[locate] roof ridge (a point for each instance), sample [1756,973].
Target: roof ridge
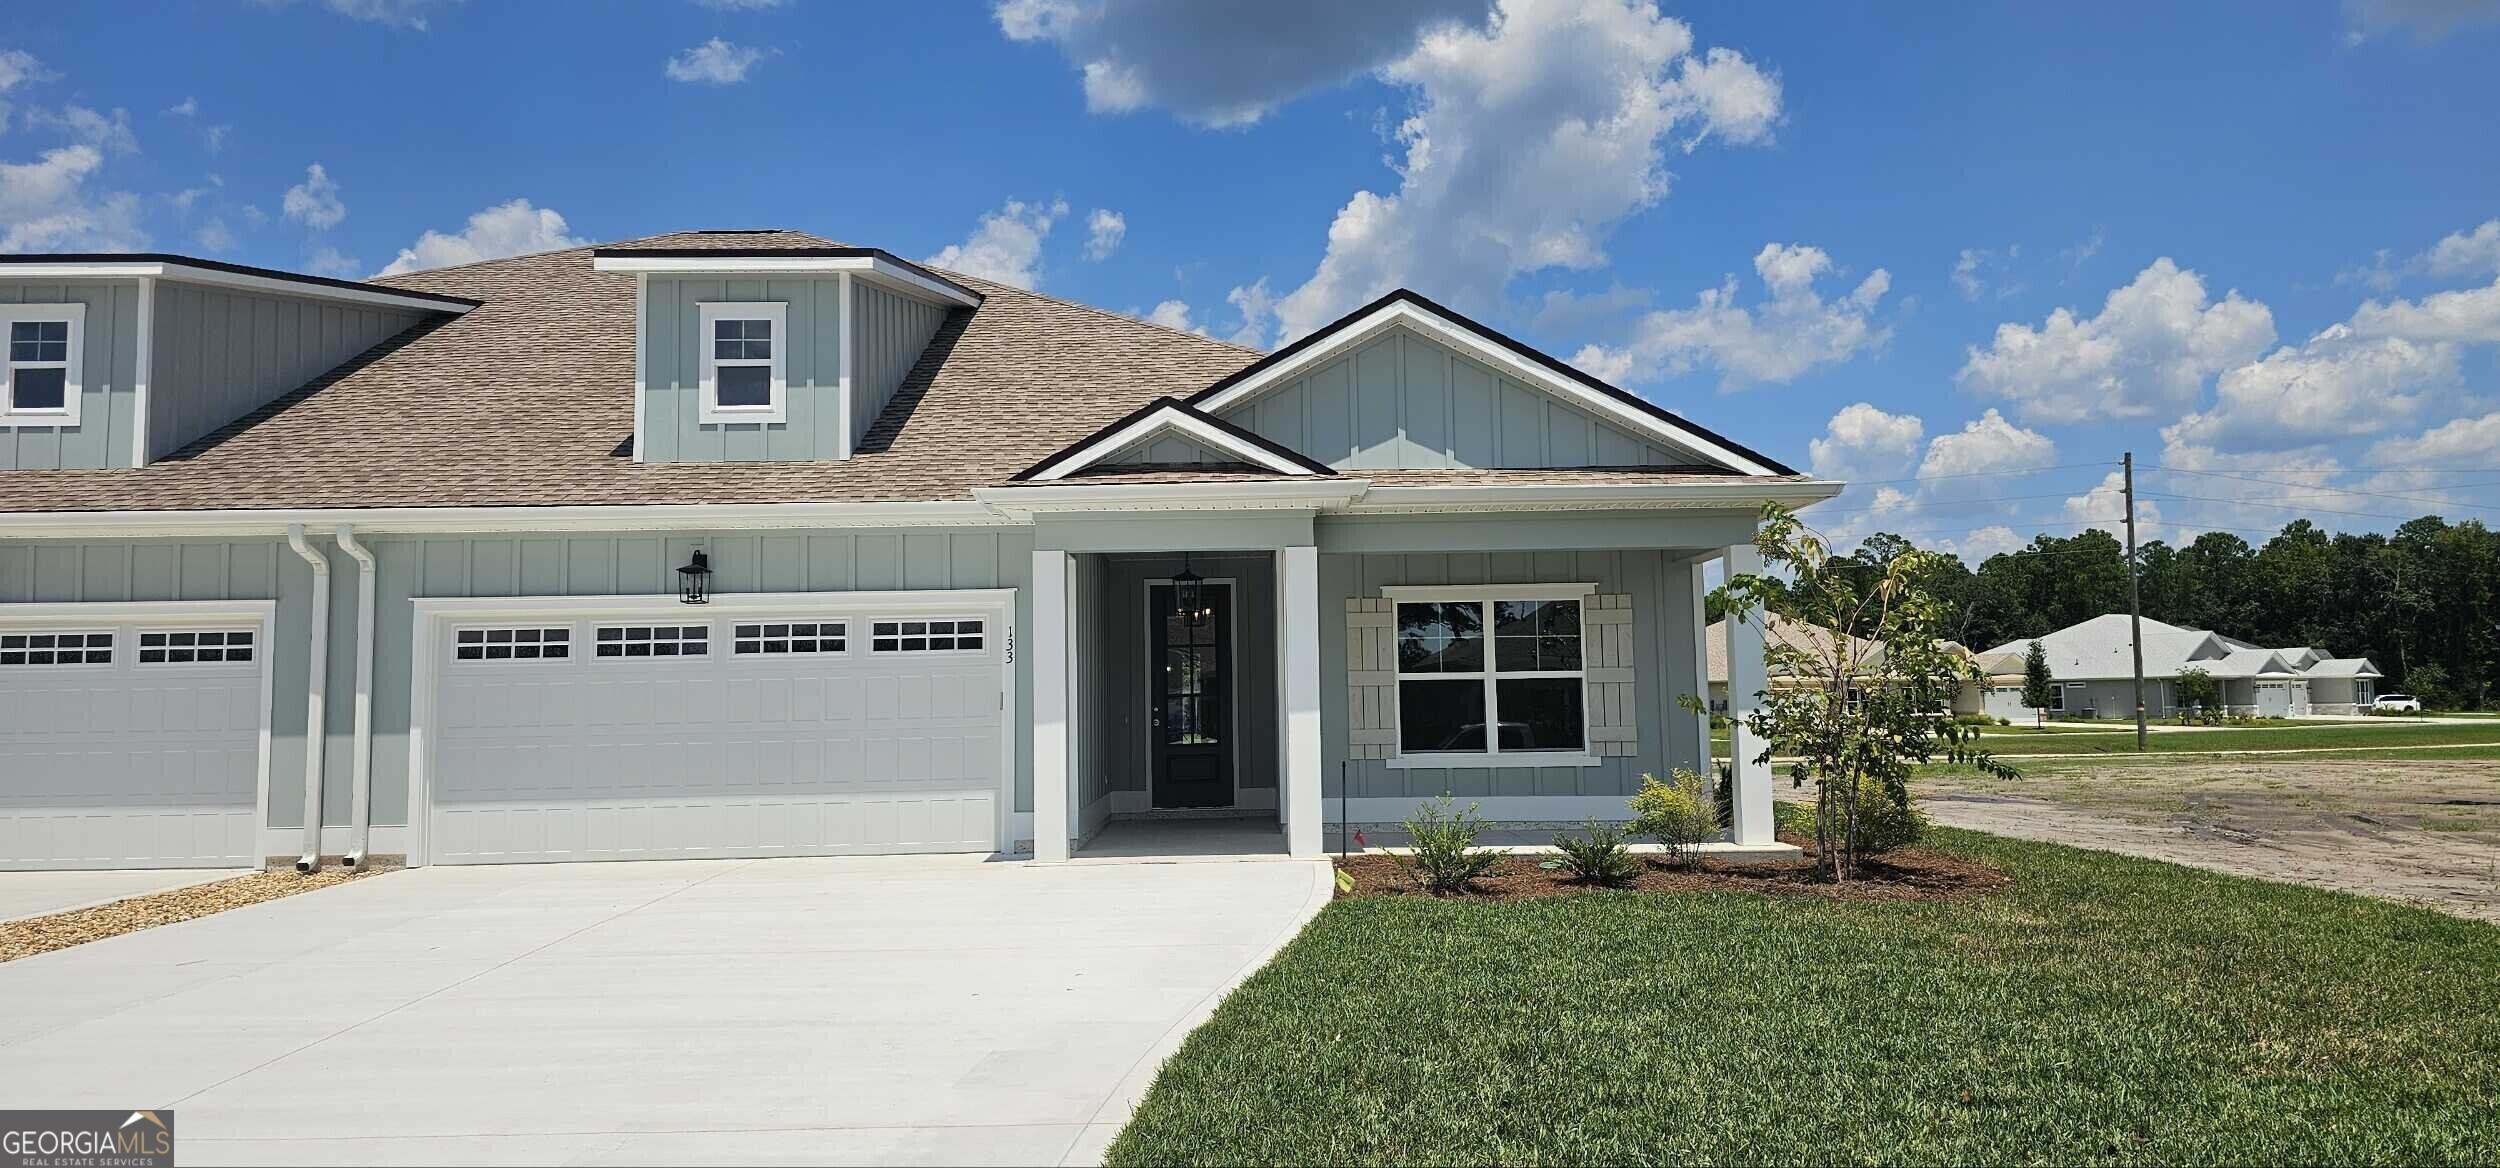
[524,255]
[1098,310]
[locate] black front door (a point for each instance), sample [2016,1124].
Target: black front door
[1192,715]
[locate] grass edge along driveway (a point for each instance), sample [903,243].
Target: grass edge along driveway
[2105,1009]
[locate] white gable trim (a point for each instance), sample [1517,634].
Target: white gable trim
[1166,419]
[1472,343]
[241,281]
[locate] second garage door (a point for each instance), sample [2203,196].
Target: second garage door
[676,736]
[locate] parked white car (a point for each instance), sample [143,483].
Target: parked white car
[2396,704]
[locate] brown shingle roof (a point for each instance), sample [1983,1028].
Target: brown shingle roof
[528,400]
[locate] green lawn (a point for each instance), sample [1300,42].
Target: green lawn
[2105,1010]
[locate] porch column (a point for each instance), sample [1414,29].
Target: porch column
[1051,737]
[1297,660]
[1746,679]
[1700,664]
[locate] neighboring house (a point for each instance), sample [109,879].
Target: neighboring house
[1968,698]
[943,529]
[2095,673]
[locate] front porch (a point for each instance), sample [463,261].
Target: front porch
[1358,676]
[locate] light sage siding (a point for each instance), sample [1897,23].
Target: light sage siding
[672,429]
[1404,401]
[1660,584]
[219,354]
[108,386]
[888,334]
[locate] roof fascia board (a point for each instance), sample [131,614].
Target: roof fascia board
[878,268]
[461,520]
[242,281]
[1469,341]
[1309,494]
[1737,493]
[1168,415]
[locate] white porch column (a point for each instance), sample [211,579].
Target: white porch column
[1700,617]
[1051,737]
[1297,658]
[1746,679]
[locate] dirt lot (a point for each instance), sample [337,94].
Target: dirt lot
[2416,829]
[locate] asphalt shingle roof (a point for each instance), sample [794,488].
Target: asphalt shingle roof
[528,400]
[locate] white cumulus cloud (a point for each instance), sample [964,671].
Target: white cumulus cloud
[1006,245]
[50,205]
[715,62]
[315,201]
[1104,229]
[505,229]
[2146,354]
[109,132]
[1776,340]
[1862,441]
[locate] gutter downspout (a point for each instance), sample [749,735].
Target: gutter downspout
[360,817]
[316,723]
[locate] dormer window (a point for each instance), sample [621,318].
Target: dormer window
[743,354]
[42,373]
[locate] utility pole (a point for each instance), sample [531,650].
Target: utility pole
[2135,603]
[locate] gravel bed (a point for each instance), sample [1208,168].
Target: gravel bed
[33,935]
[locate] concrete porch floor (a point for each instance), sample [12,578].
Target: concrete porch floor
[1184,840]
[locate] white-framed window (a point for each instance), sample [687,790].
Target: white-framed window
[1491,676]
[788,637]
[55,647]
[512,644]
[745,348]
[194,646]
[40,383]
[651,641]
[925,636]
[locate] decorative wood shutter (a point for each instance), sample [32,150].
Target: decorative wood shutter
[1606,656]
[1371,656]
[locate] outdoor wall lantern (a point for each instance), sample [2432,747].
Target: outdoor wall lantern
[1189,594]
[694,581]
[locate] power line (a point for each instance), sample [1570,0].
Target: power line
[2301,507]
[1981,474]
[2212,474]
[1914,504]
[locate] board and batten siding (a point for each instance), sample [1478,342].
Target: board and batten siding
[672,371]
[888,334]
[1401,400]
[108,387]
[219,354]
[1662,637]
[410,567]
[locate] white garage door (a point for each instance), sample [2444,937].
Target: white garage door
[129,744]
[2274,699]
[680,735]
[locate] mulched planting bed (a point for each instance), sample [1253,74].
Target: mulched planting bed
[1901,874]
[33,935]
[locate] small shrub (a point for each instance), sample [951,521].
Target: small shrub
[1885,823]
[1446,857]
[1595,856]
[2005,721]
[1677,813]
[1976,720]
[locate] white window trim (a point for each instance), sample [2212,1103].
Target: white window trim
[777,409]
[867,635]
[74,367]
[1493,755]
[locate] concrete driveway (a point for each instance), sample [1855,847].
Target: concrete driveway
[935,1010]
[35,894]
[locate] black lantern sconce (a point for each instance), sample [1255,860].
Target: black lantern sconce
[1189,594]
[694,581]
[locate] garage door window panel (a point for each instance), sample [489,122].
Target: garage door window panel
[622,641]
[918,635]
[512,644]
[55,647]
[785,638]
[195,646]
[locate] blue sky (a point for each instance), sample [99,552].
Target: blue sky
[1843,233]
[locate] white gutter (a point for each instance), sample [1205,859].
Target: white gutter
[316,724]
[360,815]
[1734,491]
[1313,493]
[463,520]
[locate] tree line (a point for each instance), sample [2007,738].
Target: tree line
[2422,602]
